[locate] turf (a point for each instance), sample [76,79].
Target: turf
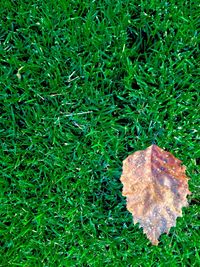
[83,84]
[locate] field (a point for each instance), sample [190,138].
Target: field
[83,84]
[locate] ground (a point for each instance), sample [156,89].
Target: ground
[83,85]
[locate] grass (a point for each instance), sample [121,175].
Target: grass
[83,85]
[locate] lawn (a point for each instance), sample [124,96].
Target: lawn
[83,84]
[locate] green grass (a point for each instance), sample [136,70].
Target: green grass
[98,81]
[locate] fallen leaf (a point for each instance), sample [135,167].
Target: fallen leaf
[156,186]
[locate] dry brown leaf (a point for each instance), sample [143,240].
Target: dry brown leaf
[156,186]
